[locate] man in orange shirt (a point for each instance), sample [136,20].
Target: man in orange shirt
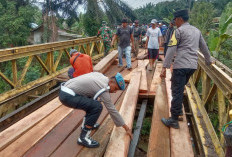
[81,63]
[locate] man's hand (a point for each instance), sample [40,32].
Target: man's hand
[133,47]
[163,73]
[111,44]
[128,131]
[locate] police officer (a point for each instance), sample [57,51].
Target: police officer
[185,42]
[106,35]
[82,93]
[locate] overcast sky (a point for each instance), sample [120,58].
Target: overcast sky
[139,3]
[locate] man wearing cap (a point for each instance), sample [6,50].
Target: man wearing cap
[168,35]
[83,92]
[154,39]
[106,35]
[81,64]
[185,42]
[137,37]
[125,34]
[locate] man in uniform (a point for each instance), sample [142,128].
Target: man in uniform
[185,42]
[137,37]
[168,36]
[106,35]
[82,93]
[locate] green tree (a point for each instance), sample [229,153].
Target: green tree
[202,15]
[15,23]
[160,11]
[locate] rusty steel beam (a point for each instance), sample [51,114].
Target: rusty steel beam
[19,52]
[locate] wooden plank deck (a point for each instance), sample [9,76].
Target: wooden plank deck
[53,129]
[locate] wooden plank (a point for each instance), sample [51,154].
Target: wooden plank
[143,83]
[159,142]
[127,78]
[147,95]
[69,147]
[105,129]
[105,63]
[30,138]
[119,140]
[15,131]
[137,129]
[180,138]
[142,64]
[52,140]
[156,78]
[206,120]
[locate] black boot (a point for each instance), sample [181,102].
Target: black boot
[170,122]
[96,125]
[86,140]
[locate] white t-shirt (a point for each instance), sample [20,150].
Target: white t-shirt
[153,35]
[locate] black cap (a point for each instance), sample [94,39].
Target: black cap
[124,20]
[181,13]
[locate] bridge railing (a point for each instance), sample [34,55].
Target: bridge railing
[213,84]
[53,59]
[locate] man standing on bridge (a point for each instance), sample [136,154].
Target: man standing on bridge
[82,93]
[125,34]
[185,42]
[106,35]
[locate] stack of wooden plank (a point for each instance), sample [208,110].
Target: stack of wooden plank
[53,129]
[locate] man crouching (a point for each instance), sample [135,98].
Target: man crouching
[82,93]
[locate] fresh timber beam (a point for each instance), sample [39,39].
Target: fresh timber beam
[159,140]
[156,77]
[137,130]
[106,62]
[179,138]
[119,140]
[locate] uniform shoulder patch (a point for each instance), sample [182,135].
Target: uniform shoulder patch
[173,41]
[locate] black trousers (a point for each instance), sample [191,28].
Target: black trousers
[180,78]
[93,108]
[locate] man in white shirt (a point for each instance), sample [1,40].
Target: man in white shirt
[154,39]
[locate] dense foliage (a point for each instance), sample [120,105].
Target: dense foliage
[15,19]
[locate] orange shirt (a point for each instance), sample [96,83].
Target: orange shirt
[82,65]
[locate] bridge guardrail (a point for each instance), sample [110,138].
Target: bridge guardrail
[213,94]
[48,56]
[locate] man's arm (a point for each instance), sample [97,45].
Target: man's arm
[132,40]
[112,42]
[114,114]
[160,38]
[204,49]
[99,32]
[147,42]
